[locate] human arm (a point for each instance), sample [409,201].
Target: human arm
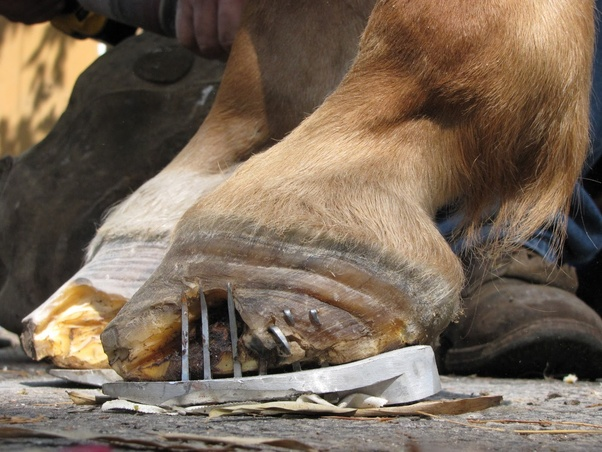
[31,11]
[208,27]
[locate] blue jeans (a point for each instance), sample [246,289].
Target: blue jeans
[584,232]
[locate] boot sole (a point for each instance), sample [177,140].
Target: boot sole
[543,349]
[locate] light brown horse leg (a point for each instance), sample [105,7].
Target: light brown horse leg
[482,104]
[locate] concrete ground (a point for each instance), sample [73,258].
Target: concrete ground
[535,415]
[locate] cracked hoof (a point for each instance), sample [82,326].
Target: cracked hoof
[298,303]
[66,328]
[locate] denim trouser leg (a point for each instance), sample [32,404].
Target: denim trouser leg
[584,238]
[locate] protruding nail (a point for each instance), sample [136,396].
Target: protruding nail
[313,317]
[263,366]
[185,341]
[288,317]
[237,367]
[205,336]
[280,339]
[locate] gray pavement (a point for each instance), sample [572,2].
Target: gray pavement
[32,402]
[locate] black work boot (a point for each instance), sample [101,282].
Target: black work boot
[523,319]
[130,113]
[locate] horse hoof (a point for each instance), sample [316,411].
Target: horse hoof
[66,328]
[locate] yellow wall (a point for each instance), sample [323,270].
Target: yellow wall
[38,67]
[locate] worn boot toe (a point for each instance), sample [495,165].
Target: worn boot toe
[523,319]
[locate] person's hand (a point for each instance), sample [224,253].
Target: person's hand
[208,27]
[31,11]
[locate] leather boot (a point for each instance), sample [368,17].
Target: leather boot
[523,319]
[130,113]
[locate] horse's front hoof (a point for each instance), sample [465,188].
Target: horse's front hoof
[297,303]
